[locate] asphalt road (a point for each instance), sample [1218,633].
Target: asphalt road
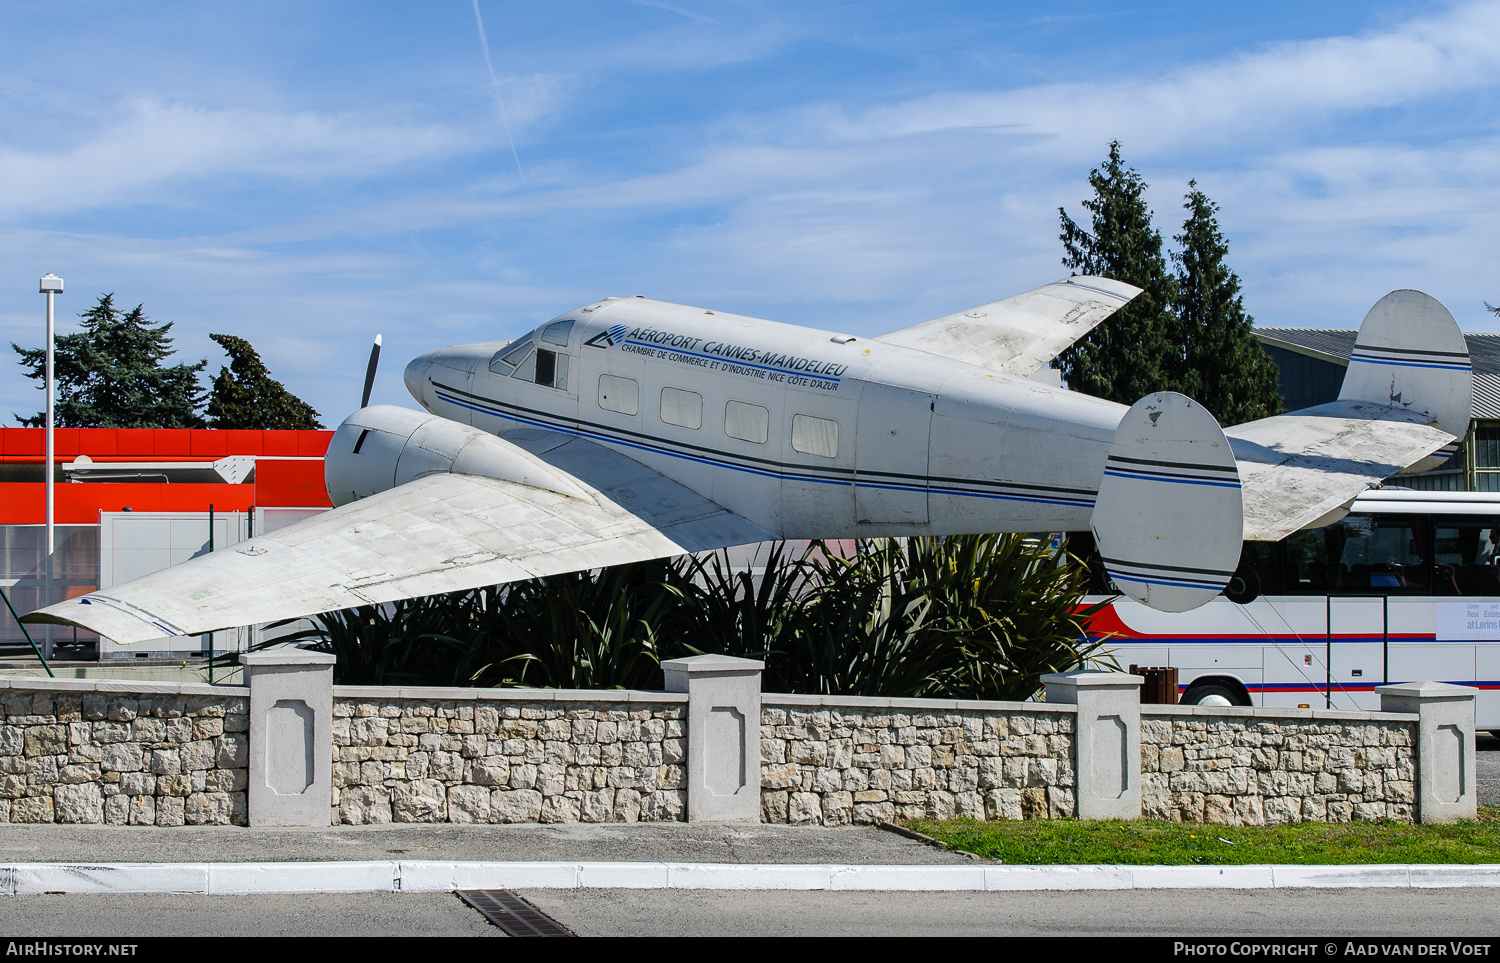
[1176,913]
[1487,764]
[1446,913]
[324,914]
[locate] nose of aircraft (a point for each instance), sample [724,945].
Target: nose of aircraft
[416,376]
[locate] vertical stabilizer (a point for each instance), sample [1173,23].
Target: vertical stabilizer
[1410,354]
[1169,516]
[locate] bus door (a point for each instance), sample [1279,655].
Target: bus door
[1295,628]
[1357,640]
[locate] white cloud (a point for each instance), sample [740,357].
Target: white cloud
[152,146]
[681,12]
[1283,85]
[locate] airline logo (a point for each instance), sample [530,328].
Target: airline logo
[608,338]
[722,356]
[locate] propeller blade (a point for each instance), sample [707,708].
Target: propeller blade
[370,373]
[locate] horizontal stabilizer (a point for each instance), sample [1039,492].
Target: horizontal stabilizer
[1299,468]
[440,533]
[1167,520]
[1405,401]
[1019,335]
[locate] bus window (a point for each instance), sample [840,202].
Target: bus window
[1385,553]
[1310,560]
[1466,552]
[1081,545]
[1260,564]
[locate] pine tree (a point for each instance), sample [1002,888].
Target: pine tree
[246,396]
[1225,368]
[110,374]
[1131,353]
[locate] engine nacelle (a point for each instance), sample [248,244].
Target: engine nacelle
[383,446]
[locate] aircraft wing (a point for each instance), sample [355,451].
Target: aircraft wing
[1019,335]
[1297,468]
[440,533]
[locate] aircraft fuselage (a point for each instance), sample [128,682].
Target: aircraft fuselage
[806,433]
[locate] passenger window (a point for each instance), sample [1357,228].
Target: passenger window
[815,436]
[619,394]
[747,422]
[557,333]
[682,408]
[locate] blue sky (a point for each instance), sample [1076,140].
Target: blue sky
[307,174]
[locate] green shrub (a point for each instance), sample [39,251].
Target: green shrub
[975,616]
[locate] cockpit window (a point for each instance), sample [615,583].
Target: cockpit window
[507,358]
[551,369]
[524,361]
[526,370]
[557,333]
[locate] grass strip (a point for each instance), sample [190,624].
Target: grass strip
[1150,843]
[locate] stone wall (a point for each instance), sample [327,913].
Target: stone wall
[832,761]
[139,754]
[163,754]
[1271,766]
[507,755]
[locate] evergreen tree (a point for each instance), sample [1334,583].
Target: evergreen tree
[110,374]
[1131,353]
[246,396]
[1225,368]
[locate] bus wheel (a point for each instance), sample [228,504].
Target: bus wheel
[1244,586]
[1209,695]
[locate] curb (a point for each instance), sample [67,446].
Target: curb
[430,876]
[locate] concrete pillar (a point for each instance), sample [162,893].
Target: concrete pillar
[291,736]
[723,735]
[1106,740]
[1446,791]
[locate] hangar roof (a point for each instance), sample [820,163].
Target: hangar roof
[1335,345]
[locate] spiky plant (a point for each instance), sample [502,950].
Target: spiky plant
[581,630]
[410,642]
[978,617]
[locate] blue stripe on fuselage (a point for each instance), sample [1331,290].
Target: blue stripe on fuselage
[663,446]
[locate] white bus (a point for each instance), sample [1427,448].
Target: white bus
[1404,588]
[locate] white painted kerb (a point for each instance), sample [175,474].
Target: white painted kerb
[433,876]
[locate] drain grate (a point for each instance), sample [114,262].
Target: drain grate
[513,914]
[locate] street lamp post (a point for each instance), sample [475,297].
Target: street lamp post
[51,285]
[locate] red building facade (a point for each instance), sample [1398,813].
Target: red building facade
[262,478]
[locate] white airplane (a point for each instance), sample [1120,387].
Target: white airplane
[632,429]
